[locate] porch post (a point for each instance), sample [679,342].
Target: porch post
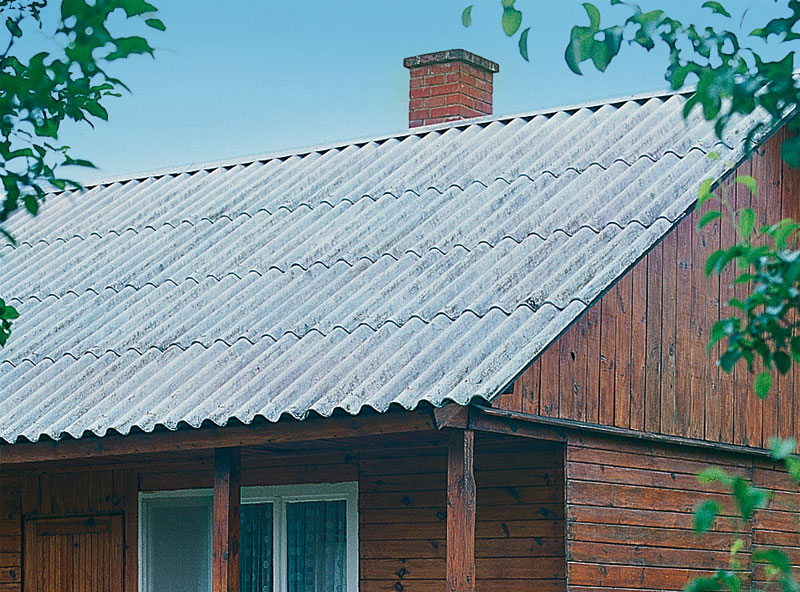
[227,497]
[460,512]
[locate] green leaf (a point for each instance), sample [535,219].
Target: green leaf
[466,16]
[717,8]
[781,448]
[795,348]
[747,221]
[762,384]
[774,557]
[523,44]
[13,27]
[713,475]
[9,313]
[512,19]
[136,7]
[159,25]
[704,192]
[748,497]
[709,217]
[728,360]
[748,182]
[705,515]
[782,361]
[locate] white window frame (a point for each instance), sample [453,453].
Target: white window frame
[278,496]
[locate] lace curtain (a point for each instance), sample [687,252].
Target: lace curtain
[255,558]
[317,546]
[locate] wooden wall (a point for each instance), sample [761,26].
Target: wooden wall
[519,526]
[57,493]
[630,514]
[637,359]
[402,509]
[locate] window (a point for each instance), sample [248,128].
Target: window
[293,539]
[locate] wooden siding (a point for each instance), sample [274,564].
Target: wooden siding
[637,358]
[630,514]
[402,507]
[519,524]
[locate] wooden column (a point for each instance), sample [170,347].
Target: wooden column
[227,497]
[460,512]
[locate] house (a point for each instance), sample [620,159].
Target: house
[470,356]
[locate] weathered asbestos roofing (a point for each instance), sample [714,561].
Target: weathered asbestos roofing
[430,266]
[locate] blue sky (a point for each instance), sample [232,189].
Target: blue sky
[245,77]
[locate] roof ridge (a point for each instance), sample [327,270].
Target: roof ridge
[244,160]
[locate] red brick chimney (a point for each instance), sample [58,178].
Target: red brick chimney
[448,86]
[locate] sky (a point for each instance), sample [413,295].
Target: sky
[242,77]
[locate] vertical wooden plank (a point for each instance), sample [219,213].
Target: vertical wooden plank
[767,205]
[566,373]
[592,318]
[608,340]
[705,416]
[130,508]
[460,512]
[550,381]
[529,384]
[227,498]
[638,345]
[684,335]
[723,420]
[655,273]
[668,332]
[622,294]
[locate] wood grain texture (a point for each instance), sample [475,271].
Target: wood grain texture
[637,358]
[461,512]
[225,535]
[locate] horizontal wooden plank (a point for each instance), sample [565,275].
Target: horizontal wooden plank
[485,513]
[480,585]
[486,497]
[498,529]
[494,568]
[638,517]
[654,537]
[601,575]
[645,556]
[207,438]
[435,548]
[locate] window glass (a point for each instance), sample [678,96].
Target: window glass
[178,545]
[255,558]
[317,546]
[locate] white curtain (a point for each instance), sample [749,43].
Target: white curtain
[317,546]
[178,546]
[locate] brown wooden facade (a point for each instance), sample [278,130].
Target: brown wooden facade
[637,358]
[402,507]
[582,478]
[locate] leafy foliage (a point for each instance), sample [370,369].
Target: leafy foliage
[39,92]
[731,79]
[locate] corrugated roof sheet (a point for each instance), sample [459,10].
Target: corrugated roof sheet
[430,266]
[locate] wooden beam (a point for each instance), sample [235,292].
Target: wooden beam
[227,498]
[460,512]
[451,415]
[502,421]
[213,437]
[130,505]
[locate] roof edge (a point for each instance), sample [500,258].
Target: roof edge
[195,167]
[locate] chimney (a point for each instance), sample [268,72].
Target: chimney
[448,86]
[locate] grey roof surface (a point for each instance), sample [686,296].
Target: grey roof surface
[430,266]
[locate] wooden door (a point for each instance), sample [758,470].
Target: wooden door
[80,554]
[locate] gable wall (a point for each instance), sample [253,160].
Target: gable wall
[637,358]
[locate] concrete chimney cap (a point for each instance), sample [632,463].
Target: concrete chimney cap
[451,55]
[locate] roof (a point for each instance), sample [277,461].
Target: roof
[430,266]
